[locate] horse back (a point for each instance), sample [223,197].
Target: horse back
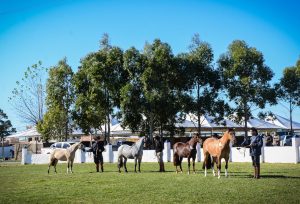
[182,149]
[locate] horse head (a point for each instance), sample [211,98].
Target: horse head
[231,135]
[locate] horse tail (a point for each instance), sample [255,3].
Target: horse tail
[207,163]
[176,159]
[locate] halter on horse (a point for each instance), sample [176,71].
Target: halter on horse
[131,152]
[185,150]
[64,155]
[218,149]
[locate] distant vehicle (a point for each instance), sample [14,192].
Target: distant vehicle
[57,145]
[287,139]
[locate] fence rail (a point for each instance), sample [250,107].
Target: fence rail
[273,154]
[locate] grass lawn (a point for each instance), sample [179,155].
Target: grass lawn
[280,183]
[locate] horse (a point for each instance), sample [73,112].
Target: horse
[65,155]
[131,152]
[218,149]
[185,150]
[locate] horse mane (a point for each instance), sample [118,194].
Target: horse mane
[74,147]
[140,143]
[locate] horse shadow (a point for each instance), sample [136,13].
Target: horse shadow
[264,176]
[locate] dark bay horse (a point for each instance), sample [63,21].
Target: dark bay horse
[185,150]
[64,155]
[218,149]
[131,152]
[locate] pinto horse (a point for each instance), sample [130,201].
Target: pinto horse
[64,155]
[218,149]
[185,150]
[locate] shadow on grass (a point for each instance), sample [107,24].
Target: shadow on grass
[266,176]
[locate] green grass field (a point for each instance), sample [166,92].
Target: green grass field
[280,183]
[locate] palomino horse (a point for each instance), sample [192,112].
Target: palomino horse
[185,150]
[131,152]
[64,155]
[218,149]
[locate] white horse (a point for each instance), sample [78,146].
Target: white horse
[131,152]
[64,155]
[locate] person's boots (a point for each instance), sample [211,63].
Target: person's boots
[258,172]
[97,167]
[255,172]
[160,168]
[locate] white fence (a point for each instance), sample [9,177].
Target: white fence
[287,154]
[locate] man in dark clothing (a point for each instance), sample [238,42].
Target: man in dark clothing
[255,143]
[159,146]
[97,149]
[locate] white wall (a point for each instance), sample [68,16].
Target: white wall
[272,154]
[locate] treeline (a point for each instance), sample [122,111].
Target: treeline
[152,89]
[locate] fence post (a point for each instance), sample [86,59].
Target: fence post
[230,154]
[295,145]
[262,156]
[167,151]
[24,155]
[110,153]
[198,148]
[79,156]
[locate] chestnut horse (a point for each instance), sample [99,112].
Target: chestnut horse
[218,149]
[185,150]
[65,155]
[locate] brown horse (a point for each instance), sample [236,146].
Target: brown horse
[64,155]
[186,150]
[218,149]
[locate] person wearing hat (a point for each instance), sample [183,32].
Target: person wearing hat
[255,143]
[159,146]
[97,149]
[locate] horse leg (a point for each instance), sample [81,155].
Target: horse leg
[68,166]
[135,163]
[125,167]
[140,160]
[226,167]
[189,165]
[180,163]
[204,166]
[194,164]
[55,163]
[72,166]
[213,166]
[219,168]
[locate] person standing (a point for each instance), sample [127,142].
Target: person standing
[255,143]
[97,149]
[159,146]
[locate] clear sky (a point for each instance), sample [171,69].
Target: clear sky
[34,30]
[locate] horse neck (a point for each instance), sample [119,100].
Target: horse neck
[140,144]
[74,147]
[225,139]
[192,142]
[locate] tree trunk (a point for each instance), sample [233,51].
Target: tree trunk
[246,121]
[2,140]
[291,112]
[198,109]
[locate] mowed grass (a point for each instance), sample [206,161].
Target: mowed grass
[280,183]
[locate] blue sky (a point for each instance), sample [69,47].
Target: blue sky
[36,30]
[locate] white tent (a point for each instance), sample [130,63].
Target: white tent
[284,123]
[207,122]
[261,124]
